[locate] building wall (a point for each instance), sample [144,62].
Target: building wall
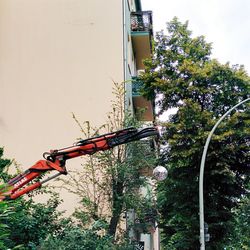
[56,57]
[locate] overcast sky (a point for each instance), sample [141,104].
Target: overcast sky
[224,23]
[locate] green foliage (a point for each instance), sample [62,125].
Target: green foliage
[77,238]
[4,231]
[240,236]
[201,90]
[5,209]
[24,223]
[4,163]
[110,180]
[31,222]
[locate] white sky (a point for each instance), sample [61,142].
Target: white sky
[224,23]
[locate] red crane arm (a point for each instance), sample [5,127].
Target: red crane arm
[56,159]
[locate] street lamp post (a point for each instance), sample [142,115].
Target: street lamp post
[202,166]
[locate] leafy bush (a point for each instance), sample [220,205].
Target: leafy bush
[77,238]
[32,222]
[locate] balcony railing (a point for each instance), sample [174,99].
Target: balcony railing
[143,107]
[136,86]
[142,36]
[142,21]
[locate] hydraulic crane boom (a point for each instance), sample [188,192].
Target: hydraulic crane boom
[56,159]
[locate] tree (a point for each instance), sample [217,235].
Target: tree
[76,238]
[31,222]
[201,89]
[24,223]
[110,181]
[239,239]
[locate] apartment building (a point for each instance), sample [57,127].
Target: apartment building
[62,56]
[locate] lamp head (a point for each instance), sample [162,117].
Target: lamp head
[160,173]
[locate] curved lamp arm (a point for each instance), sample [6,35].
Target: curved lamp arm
[202,166]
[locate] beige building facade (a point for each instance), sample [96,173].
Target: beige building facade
[56,57]
[59,57]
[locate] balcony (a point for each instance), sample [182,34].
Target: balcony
[142,34]
[143,107]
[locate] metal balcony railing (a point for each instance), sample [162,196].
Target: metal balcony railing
[142,21]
